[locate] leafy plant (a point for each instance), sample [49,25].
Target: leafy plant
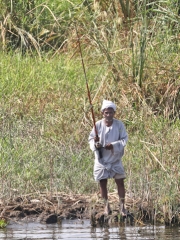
[3,223]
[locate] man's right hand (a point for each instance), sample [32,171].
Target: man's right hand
[96,139]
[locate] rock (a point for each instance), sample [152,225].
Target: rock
[52,218]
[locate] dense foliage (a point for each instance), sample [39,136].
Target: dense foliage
[131,55]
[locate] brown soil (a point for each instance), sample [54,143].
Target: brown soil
[55,208]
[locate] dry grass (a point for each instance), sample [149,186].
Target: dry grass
[45,115]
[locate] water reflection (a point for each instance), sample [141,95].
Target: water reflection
[108,233]
[75,230]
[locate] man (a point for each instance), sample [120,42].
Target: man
[108,148]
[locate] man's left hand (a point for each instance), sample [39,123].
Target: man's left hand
[109,146]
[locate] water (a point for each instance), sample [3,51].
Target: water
[75,230]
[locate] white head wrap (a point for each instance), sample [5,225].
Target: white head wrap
[108,104]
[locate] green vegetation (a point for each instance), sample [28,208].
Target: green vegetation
[3,223]
[131,54]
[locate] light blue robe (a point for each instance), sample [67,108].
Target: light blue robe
[110,163]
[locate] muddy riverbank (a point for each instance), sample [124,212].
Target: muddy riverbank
[53,208]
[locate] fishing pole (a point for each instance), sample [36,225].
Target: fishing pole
[89,95]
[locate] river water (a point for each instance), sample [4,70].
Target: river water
[76,229]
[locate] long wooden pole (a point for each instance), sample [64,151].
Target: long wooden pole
[89,95]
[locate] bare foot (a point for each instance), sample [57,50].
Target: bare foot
[123,210]
[107,209]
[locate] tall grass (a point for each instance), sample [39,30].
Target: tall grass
[131,58]
[39,114]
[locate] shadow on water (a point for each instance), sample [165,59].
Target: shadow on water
[75,229]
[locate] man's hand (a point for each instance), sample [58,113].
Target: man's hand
[109,146]
[96,139]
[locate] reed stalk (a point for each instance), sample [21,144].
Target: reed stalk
[44,115]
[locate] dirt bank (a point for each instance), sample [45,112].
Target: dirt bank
[53,208]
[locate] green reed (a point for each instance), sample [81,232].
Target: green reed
[45,115]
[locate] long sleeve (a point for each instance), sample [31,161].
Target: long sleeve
[118,146]
[91,140]
[110,163]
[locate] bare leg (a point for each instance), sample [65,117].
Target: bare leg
[121,193]
[103,189]
[104,195]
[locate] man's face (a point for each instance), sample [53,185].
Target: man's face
[108,114]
